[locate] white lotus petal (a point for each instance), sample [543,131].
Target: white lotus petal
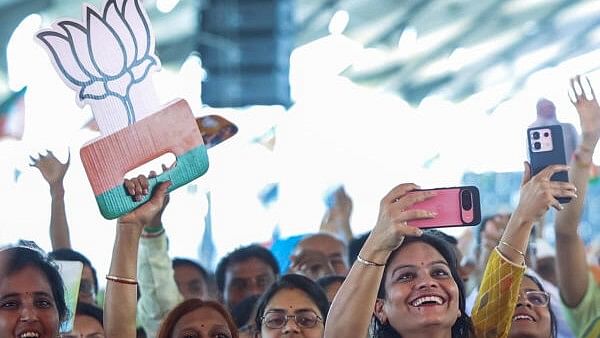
[95,91]
[67,64]
[105,46]
[115,20]
[138,21]
[140,71]
[120,85]
[79,38]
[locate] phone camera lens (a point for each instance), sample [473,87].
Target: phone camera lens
[537,145]
[546,134]
[465,199]
[536,135]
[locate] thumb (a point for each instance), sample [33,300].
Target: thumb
[68,159]
[160,192]
[526,173]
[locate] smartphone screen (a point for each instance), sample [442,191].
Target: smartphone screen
[546,147]
[456,206]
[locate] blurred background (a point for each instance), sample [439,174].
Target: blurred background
[360,93]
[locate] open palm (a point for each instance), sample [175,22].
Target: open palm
[51,168]
[588,109]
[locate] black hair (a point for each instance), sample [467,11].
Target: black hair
[19,257]
[188,262]
[553,321]
[463,327]
[326,281]
[241,255]
[450,239]
[242,312]
[298,282]
[90,310]
[66,254]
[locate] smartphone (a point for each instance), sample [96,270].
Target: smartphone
[547,147]
[455,207]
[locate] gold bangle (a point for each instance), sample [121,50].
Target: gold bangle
[122,280]
[513,248]
[368,263]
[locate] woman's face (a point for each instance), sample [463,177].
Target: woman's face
[27,306]
[531,318]
[204,322]
[286,304]
[420,291]
[85,327]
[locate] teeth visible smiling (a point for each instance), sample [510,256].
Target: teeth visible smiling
[523,317]
[29,334]
[421,300]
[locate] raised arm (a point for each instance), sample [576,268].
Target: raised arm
[337,219]
[121,291]
[507,261]
[159,293]
[54,172]
[351,310]
[572,269]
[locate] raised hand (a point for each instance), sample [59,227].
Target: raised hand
[391,227]
[539,193]
[588,109]
[147,212]
[51,168]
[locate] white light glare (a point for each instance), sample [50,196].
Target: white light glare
[408,39]
[166,6]
[339,22]
[21,44]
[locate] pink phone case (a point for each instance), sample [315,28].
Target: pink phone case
[456,206]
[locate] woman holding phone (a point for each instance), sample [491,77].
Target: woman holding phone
[420,292]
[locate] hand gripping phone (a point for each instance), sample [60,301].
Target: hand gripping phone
[455,207]
[546,147]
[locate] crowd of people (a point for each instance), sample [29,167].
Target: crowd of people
[394,281]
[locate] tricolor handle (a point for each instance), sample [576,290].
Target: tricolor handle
[173,129]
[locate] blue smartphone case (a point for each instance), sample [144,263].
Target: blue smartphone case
[541,159]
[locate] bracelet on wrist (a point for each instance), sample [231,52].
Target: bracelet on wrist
[122,280]
[513,248]
[368,262]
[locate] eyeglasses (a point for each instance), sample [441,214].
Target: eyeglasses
[305,319]
[537,298]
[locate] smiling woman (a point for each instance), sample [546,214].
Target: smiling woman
[533,316]
[421,287]
[420,290]
[31,295]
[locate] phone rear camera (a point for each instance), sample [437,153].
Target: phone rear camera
[537,145]
[465,200]
[535,135]
[546,134]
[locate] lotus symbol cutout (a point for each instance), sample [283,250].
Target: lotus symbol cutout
[105,56]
